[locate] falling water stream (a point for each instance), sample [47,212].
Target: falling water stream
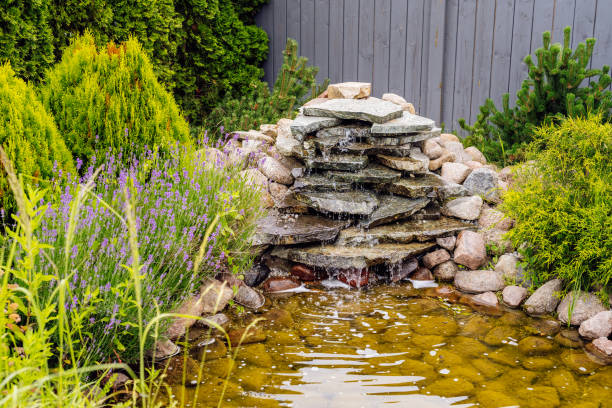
[395,345]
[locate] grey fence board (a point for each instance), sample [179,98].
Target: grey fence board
[397,43]
[365,59]
[444,56]
[382,23]
[483,49]
[336,33]
[414,43]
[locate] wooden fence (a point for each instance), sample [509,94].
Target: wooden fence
[446,57]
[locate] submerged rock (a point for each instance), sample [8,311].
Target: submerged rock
[356,278]
[402,232]
[333,257]
[279,284]
[370,109]
[535,346]
[287,230]
[393,208]
[349,202]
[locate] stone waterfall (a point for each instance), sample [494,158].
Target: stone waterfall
[365,205]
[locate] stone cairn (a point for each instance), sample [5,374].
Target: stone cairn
[365,202]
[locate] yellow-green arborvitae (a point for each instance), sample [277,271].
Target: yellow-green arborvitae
[28,134]
[109,98]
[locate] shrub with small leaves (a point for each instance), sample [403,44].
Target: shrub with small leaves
[562,204]
[109,98]
[28,135]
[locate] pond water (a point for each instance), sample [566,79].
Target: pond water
[394,345]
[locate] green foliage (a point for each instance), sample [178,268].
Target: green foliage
[554,88]
[247,9]
[562,204]
[25,37]
[109,98]
[28,134]
[219,55]
[295,82]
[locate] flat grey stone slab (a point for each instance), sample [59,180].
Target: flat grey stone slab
[361,148]
[341,257]
[393,208]
[298,229]
[414,187]
[402,232]
[316,183]
[402,163]
[303,125]
[338,162]
[370,109]
[329,138]
[397,140]
[407,123]
[374,173]
[350,202]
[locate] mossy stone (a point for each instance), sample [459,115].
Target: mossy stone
[443,358]
[500,335]
[578,362]
[505,355]
[468,346]
[283,337]
[476,326]
[535,346]
[488,368]
[255,354]
[252,378]
[435,325]
[246,336]
[416,368]
[368,323]
[539,396]
[565,383]
[537,363]
[450,387]
[278,318]
[396,333]
[496,399]
[212,351]
[428,342]
[463,371]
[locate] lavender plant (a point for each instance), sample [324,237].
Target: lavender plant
[174,200]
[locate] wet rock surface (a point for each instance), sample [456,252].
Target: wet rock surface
[370,109]
[393,208]
[288,230]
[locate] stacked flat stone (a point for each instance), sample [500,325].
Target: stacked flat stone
[364,202]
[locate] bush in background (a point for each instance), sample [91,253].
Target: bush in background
[562,204]
[109,98]
[296,81]
[28,134]
[26,39]
[554,89]
[219,55]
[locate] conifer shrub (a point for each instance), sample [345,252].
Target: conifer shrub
[28,135]
[562,204]
[559,84]
[109,98]
[26,40]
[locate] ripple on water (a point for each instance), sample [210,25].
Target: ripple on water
[386,346]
